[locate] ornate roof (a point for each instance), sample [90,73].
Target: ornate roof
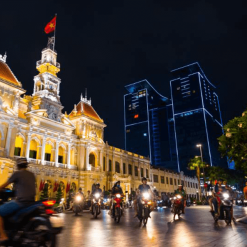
[86,109]
[7,75]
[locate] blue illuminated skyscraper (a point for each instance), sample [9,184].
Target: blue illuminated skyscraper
[197,116]
[149,127]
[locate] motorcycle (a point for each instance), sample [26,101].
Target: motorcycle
[78,204]
[35,225]
[96,205]
[118,207]
[61,207]
[177,206]
[144,208]
[226,209]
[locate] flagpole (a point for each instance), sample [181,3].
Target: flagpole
[55,33]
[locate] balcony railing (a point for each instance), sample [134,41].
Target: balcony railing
[95,169]
[55,64]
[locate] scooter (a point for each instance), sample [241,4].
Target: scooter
[35,225]
[226,210]
[78,204]
[144,208]
[96,205]
[177,206]
[118,207]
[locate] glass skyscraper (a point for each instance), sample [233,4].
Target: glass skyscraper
[197,116]
[149,126]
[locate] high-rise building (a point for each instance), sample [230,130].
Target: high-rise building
[197,116]
[149,124]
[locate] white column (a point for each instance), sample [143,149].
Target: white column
[113,162]
[43,151]
[68,155]
[28,145]
[7,146]
[56,152]
[87,159]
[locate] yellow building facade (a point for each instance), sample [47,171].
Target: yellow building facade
[67,148]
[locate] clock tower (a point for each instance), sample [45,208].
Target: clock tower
[47,84]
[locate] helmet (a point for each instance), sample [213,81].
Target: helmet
[98,184]
[144,179]
[118,182]
[80,188]
[21,163]
[180,185]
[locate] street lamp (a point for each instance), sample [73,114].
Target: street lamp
[200,146]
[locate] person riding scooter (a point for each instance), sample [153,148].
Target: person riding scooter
[116,189]
[181,191]
[24,182]
[97,190]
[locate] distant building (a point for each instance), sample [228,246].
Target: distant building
[149,128]
[197,116]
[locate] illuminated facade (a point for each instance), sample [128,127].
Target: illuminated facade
[64,148]
[197,116]
[149,124]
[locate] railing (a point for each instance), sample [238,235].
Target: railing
[95,169]
[49,163]
[72,167]
[40,62]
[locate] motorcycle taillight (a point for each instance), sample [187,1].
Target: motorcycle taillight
[49,211]
[49,203]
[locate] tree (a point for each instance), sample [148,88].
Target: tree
[233,143]
[44,192]
[196,164]
[59,194]
[215,173]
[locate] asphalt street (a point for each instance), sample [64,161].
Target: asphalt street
[195,228]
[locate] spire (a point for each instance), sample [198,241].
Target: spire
[86,93]
[81,97]
[3,58]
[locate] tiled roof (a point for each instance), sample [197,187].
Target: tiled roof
[7,75]
[87,110]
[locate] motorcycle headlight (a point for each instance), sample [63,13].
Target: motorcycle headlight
[97,195]
[118,195]
[179,196]
[226,196]
[78,198]
[146,196]
[174,197]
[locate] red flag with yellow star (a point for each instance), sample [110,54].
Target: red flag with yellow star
[50,27]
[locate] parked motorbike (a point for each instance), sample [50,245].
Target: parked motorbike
[96,205]
[78,204]
[144,208]
[226,210]
[35,225]
[117,204]
[177,206]
[61,207]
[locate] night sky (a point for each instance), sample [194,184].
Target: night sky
[103,45]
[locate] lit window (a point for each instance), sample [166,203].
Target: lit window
[144,134]
[127,131]
[136,116]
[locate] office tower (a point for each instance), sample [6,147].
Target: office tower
[197,116]
[148,124]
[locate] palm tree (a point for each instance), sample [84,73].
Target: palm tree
[196,164]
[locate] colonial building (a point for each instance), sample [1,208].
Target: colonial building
[66,148]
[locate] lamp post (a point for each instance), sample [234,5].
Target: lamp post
[200,146]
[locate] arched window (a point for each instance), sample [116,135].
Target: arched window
[92,160]
[33,149]
[117,167]
[48,151]
[18,146]
[61,155]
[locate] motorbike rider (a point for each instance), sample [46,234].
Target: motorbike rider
[24,182]
[215,200]
[97,189]
[144,187]
[116,189]
[181,192]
